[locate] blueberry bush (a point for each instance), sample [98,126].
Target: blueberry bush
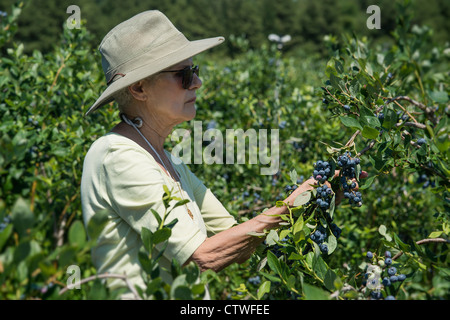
[380,109]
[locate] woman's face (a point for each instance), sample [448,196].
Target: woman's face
[168,102]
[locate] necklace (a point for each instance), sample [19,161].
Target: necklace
[139,120]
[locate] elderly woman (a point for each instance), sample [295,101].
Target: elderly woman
[149,71]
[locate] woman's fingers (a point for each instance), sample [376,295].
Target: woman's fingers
[363,175]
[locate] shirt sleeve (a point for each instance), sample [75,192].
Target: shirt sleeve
[134,185]
[215,215]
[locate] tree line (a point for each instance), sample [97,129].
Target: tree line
[306,21]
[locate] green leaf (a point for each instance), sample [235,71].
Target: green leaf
[77,234]
[434,234]
[439,96]
[272,237]
[294,176]
[370,133]
[368,182]
[161,235]
[5,234]
[339,67]
[390,118]
[332,243]
[372,121]
[263,289]
[329,280]
[157,216]
[273,262]
[336,82]
[97,223]
[298,226]
[350,122]
[270,276]
[22,217]
[179,289]
[401,244]
[383,231]
[145,262]
[302,198]
[21,252]
[314,293]
[147,239]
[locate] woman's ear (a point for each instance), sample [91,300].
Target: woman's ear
[137,91]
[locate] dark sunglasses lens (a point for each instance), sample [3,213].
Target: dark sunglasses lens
[188,76]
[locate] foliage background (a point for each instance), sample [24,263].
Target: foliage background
[50,75]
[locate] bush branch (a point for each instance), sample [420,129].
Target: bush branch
[437,240]
[421,106]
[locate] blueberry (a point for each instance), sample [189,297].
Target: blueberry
[401,277]
[390,298]
[388,261]
[421,141]
[318,234]
[369,255]
[392,271]
[376,295]
[386,282]
[387,254]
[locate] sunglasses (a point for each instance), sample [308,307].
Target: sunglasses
[187,74]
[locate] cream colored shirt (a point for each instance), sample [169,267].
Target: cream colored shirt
[123,179]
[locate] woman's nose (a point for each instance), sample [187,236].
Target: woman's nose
[196,82]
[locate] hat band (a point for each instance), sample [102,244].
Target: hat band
[113,78]
[175,44]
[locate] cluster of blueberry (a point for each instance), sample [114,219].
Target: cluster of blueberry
[256,280]
[426,181]
[348,168]
[322,170]
[321,234]
[373,275]
[4,224]
[319,237]
[324,196]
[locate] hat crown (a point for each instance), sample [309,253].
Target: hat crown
[145,32]
[143,46]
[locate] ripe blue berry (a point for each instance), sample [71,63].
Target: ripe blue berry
[323,247]
[386,282]
[392,271]
[369,255]
[421,141]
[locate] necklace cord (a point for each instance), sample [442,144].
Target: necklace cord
[131,123]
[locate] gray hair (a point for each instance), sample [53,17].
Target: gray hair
[124,98]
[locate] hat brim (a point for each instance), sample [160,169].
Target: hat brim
[186,52]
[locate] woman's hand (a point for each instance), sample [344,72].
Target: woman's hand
[308,185]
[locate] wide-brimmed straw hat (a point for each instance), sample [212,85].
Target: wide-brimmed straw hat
[142,46]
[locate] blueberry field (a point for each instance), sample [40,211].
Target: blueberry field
[380,109]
